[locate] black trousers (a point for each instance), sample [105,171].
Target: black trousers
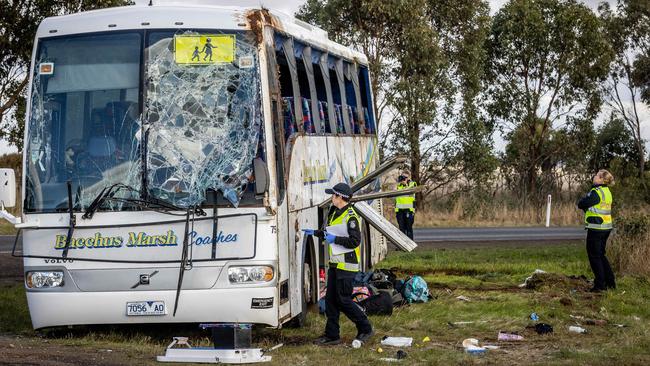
[338,298]
[603,274]
[405,219]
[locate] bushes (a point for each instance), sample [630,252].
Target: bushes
[630,246]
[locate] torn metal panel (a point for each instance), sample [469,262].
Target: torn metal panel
[203,122]
[287,47]
[376,220]
[309,68]
[331,111]
[353,73]
[338,66]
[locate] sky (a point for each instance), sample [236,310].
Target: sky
[290,6]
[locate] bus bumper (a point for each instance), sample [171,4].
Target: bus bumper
[50,309]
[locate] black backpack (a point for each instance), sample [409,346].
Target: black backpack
[380,304]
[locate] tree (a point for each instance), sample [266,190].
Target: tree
[19,21]
[547,59]
[426,61]
[614,142]
[629,34]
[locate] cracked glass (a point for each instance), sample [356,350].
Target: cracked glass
[84,122]
[203,118]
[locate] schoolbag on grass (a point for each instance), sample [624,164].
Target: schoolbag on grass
[415,290]
[380,304]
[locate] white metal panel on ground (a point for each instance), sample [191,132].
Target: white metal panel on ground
[376,220]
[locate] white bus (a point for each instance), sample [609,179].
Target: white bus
[174,152]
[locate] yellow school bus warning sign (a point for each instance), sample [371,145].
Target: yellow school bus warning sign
[204,49]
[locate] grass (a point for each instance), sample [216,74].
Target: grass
[488,277]
[498,213]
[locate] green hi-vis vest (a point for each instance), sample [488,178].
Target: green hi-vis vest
[603,210]
[353,262]
[405,202]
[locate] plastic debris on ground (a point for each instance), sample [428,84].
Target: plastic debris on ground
[509,336]
[397,341]
[426,339]
[534,317]
[576,329]
[472,346]
[463,298]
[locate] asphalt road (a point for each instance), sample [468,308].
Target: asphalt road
[452,237]
[498,234]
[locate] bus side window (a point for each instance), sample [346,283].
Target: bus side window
[366,99]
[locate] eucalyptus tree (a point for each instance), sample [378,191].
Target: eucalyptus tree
[628,28]
[547,62]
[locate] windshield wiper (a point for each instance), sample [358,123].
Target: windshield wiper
[106,193]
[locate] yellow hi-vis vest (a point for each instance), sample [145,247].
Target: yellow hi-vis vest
[340,259]
[603,210]
[405,202]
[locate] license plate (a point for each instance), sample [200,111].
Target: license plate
[141,308]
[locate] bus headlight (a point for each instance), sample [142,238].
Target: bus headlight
[43,279]
[250,274]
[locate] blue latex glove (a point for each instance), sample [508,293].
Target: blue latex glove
[330,238]
[308,231]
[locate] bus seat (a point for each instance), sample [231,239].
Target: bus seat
[339,119]
[322,109]
[352,114]
[290,126]
[308,122]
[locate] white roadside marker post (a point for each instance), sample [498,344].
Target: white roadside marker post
[548,211]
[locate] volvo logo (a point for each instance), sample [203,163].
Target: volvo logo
[144,279]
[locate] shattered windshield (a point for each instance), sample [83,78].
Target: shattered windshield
[85,120]
[169,115]
[203,119]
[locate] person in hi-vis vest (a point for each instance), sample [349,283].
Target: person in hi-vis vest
[597,205]
[405,205]
[342,218]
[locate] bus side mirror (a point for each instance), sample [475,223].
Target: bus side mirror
[261,171]
[7,187]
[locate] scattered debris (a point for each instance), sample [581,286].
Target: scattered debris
[426,339]
[599,322]
[576,329]
[380,350]
[356,343]
[543,328]
[509,336]
[471,346]
[401,355]
[636,318]
[463,298]
[577,317]
[529,278]
[542,279]
[11,345]
[389,359]
[534,317]
[397,341]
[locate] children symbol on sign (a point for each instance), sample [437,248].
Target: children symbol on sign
[207,49]
[195,55]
